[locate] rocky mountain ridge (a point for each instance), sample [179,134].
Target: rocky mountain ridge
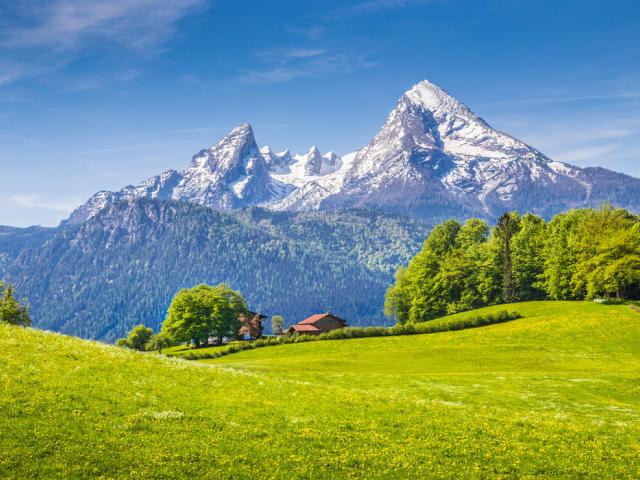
[432,157]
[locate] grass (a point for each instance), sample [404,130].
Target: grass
[554,394]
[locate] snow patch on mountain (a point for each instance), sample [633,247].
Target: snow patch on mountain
[433,156]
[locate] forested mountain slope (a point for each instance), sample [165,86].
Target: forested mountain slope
[123,266]
[14,240]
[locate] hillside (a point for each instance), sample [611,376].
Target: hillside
[123,266]
[554,394]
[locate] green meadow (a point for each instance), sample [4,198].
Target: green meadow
[554,394]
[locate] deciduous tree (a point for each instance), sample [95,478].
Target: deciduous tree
[277,325]
[197,313]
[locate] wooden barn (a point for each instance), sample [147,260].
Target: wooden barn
[317,324]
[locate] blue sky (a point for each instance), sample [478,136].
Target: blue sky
[96,95]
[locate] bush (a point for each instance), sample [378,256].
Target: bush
[613,301]
[440,325]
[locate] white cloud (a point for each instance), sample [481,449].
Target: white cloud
[316,63]
[573,98]
[284,54]
[373,6]
[586,154]
[69,24]
[35,201]
[53,33]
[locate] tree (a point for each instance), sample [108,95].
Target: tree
[527,252]
[424,290]
[11,310]
[197,313]
[612,268]
[251,326]
[397,299]
[460,268]
[559,256]
[578,254]
[507,227]
[277,325]
[158,342]
[137,339]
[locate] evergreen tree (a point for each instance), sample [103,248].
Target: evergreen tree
[11,310]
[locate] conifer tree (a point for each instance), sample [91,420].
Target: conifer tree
[11,310]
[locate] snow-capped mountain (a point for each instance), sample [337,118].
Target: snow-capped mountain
[432,157]
[435,153]
[231,174]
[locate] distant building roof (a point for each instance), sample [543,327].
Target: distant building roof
[315,324]
[304,328]
[319,316]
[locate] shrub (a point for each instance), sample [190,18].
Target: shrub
[440,325]
[613,301]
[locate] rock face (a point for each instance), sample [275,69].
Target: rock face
[432,158]
[433,153]
[230,175]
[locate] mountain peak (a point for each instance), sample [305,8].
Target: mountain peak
[430,96]
[242,133]
[312,161]
[243,128]
[433,155]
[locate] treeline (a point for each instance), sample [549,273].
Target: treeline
[580,254]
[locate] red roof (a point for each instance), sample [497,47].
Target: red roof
[314,318]
[304,328]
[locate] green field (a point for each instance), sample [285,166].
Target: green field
[554,394]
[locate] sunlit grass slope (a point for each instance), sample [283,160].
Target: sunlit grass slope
[554,394]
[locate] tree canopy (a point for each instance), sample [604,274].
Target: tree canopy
[137,339]
[204,311]
[580,254]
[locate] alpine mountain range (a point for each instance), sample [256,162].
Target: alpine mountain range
[296,234]
[433,157]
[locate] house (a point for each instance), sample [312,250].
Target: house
[317,324]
